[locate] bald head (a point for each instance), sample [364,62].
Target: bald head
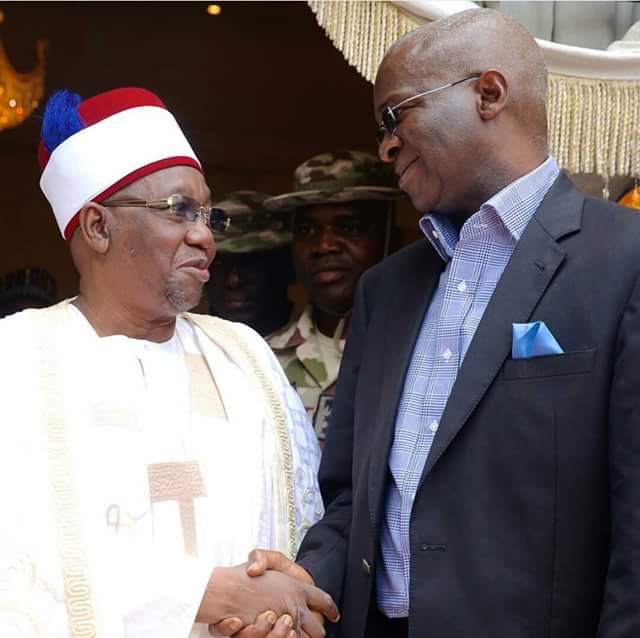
[472,42]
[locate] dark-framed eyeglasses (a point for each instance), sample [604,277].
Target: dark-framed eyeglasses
[183,207]
[390,119]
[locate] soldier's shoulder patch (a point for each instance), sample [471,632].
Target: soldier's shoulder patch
[322,413]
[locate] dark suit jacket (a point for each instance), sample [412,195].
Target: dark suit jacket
[526,523]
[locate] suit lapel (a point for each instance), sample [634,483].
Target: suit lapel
[529,272]
[406,310]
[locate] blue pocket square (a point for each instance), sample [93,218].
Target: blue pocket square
[533,340]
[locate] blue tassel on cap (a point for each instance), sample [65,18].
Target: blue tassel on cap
[61,119]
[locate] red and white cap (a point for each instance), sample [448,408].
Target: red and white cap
[128,133]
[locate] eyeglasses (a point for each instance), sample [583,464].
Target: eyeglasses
[390,119]
[183,207]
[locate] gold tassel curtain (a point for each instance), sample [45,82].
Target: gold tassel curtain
[594,123]
[362,30]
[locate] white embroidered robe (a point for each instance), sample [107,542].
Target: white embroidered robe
[129,470]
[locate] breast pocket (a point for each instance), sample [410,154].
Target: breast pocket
[550,366]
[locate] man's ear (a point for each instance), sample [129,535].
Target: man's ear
[94,226]
[493,94]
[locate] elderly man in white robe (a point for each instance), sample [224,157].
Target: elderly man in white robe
[145,450]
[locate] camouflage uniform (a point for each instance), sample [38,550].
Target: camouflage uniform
[328,178]
[299,353]
[252,227]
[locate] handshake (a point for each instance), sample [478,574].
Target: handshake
[268,597]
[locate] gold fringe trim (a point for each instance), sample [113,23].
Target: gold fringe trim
[362,30]
[242,354]
[594,125]
[78,598]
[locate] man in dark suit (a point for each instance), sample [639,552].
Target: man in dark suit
[471,490]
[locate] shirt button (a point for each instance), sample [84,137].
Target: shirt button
[435,234]
[446,355]
[433,426]
[462,286]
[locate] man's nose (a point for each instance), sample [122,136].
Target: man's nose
[234,277]
[326,240]
[200,236]
[389,148]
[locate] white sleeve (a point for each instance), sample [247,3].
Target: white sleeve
[304,443]
[305,451]
[164,600]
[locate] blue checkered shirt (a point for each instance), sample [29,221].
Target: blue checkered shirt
[475,258]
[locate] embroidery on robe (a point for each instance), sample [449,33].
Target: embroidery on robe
[181,482]
[28,602]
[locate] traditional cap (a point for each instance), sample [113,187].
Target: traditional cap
[631,198]
[332,178]
[252,228]
[34,283]
[91,149]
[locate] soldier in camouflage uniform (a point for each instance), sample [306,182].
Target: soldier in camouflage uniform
[342,213]
[252,270]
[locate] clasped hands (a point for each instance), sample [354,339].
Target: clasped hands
[268,597]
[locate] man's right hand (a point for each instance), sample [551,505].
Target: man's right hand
[232,593]
[261,560]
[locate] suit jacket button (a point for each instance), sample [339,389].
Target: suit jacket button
[366,567]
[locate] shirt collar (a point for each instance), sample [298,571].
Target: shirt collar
[511,208]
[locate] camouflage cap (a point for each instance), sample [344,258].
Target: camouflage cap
[252,228]
[331,178]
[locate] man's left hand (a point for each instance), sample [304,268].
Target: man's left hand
[267,625]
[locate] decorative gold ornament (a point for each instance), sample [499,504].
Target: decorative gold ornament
[594,122]
[632,198]
[20,93]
